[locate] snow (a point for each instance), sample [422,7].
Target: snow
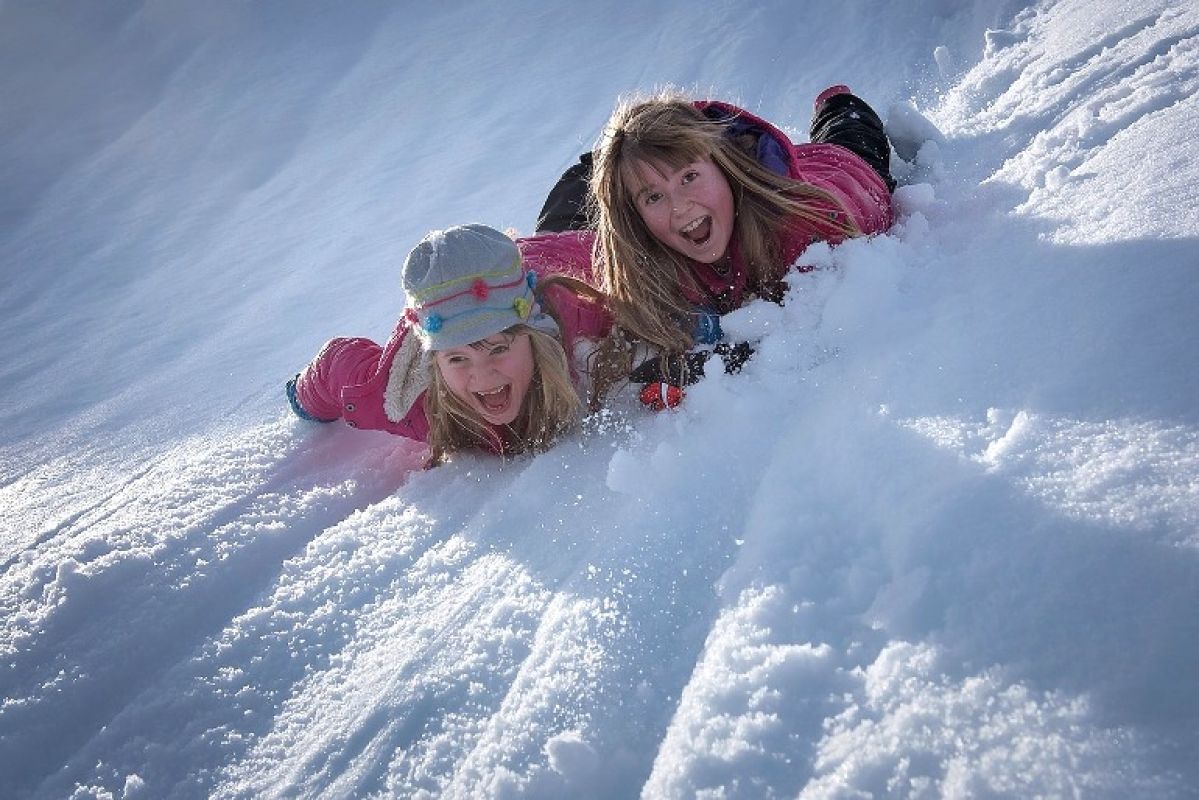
[939,538]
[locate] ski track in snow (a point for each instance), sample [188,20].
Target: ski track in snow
[142,577]
[1121,83]
[961,560]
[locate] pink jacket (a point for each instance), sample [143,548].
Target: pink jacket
[371,386]
[856,186]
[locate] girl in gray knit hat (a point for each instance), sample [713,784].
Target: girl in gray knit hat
[490,351]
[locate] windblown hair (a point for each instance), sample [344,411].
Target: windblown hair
[643,278]
[551,406]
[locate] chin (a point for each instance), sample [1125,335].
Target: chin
[710,258]
[504,418]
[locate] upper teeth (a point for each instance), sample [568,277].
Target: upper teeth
[496,390]
[692,225]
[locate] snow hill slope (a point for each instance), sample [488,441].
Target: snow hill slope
[940,538]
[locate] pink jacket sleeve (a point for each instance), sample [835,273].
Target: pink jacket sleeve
[856,188]
[855,185]
[567,253]
[341,362]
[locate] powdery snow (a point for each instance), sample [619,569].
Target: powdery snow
[940,538]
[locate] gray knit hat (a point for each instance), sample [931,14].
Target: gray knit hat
[467,283]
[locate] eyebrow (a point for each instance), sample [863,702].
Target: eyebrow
[490,344]
[641,192]
[636,171]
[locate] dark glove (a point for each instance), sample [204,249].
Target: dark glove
[664,376]
[677,369]
[687,368]
[734,356]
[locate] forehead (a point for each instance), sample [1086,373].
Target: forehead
[639,174]
[487,343]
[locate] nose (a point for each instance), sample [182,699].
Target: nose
[482,377]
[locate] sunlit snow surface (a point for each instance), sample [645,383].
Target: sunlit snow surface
[940,538]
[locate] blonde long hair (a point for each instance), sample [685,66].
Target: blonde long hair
[643,278]
[551,406]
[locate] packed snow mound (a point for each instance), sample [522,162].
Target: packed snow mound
[939,538]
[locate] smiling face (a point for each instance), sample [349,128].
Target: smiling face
[689,209]
[490,376]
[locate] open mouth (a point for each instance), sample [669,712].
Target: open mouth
[698,231]
[495,400]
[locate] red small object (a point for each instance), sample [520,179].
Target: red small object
[480,289]
[660,396]
[831,91]
[412,317]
